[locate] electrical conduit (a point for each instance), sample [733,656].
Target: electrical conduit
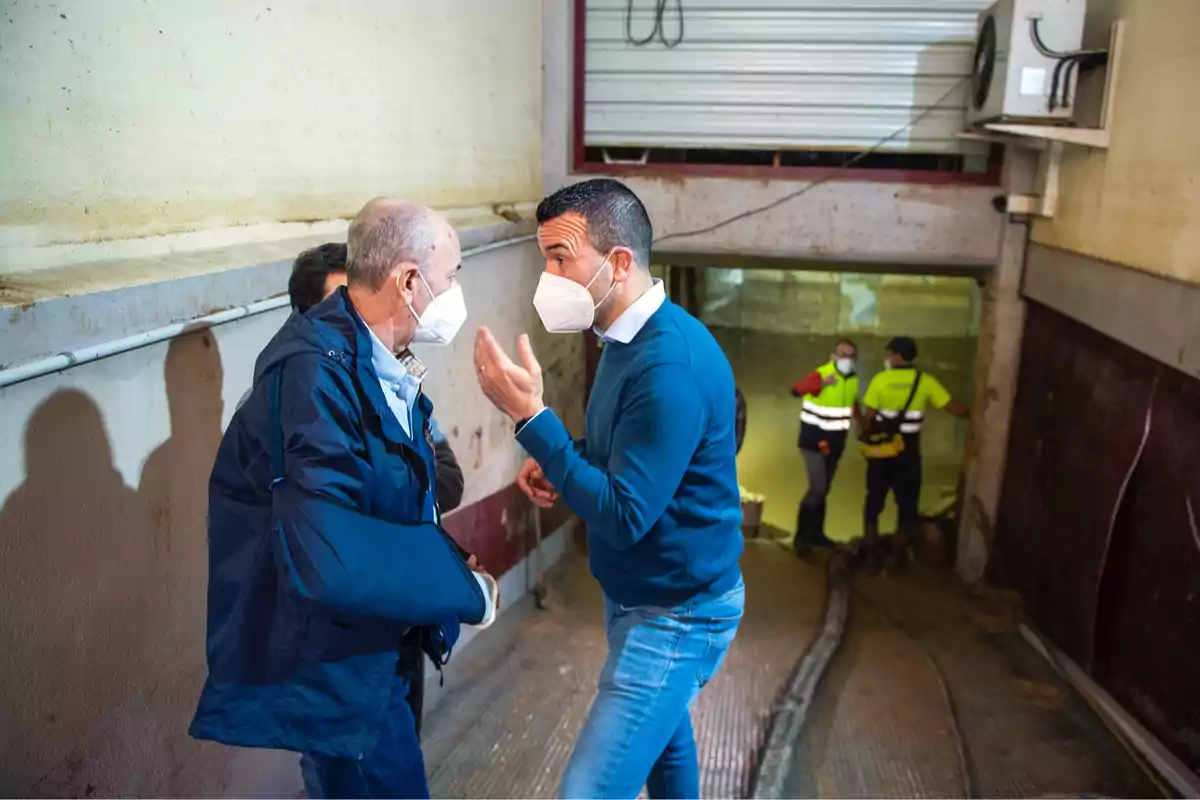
[84,355]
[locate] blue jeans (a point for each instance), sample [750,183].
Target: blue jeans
[639,729]
[395,768]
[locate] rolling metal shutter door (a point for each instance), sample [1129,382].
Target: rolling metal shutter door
[781,75]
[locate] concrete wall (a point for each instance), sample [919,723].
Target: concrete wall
[906,224]
[1138,203]
[129,119]
[103,472]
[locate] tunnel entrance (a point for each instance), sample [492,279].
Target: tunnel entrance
[777,325]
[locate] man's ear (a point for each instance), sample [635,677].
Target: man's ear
[622,264]
[405,276]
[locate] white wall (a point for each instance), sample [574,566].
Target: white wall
[1138,203]
[103,573]
[129,118]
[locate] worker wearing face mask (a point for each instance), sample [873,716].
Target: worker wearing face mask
[326,552]
[830,396]
[654,481]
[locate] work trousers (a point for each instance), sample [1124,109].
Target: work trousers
[820,469]
[902,477]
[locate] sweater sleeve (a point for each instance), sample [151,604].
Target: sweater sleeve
[811,384]
[657,432]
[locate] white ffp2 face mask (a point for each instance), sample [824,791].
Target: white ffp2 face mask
[443,317]
[566,306]
[844,365]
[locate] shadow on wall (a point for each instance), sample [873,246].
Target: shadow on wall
[103,598]
[80,617]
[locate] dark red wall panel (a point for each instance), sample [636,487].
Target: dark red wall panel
[1121,596]
[499,530]
[1075,432]
[1148,630]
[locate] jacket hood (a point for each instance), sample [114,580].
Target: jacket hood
[331,328]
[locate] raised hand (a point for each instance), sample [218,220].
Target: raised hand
[514,389]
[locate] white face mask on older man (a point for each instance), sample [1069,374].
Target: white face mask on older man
[443,317]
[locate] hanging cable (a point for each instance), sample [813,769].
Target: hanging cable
[1055,80]
[1047,52]
[660,10]
[833,173]
[1067,61]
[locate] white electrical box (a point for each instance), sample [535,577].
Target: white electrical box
[1019,72]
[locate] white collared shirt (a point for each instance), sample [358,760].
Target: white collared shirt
[634,318]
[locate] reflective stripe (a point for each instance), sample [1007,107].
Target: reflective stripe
[912,419]
[828,412]
[912,415]
[825,424]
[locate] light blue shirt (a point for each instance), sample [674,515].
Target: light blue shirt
[400,378]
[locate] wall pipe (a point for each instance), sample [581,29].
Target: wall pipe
[84,355]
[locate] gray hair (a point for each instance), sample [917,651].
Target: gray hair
[385,233]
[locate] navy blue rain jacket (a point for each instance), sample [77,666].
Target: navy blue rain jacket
[324,548]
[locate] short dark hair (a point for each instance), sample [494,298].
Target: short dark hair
[306,287]
[846,341]
[904,347]
[615,216]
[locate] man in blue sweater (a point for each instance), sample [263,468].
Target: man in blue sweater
[655,481]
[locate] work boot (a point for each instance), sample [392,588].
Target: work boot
[806,522]
[819,538]
[895,552]
[898,547]
[872,558]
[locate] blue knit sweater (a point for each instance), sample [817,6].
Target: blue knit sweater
[655,479]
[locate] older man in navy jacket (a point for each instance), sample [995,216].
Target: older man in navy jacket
[326,551]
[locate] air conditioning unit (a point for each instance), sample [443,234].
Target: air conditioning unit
[1027,55]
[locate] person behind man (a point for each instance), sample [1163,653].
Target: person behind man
[325,545]
[316,274]
[897,398]
[654,481]
[830,394]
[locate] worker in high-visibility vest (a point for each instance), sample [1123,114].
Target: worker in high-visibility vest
[894,408]
[830,395]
